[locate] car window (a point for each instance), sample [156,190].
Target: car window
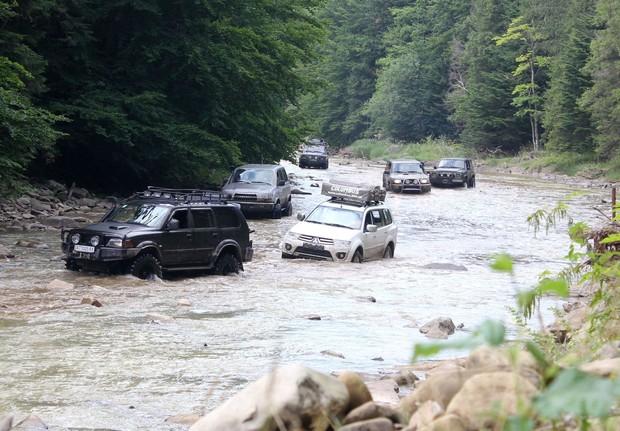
[226,217]
[203,218]
[333,216]
[181,216]
[377,218]
[387,215]
[151,215]
[407,167]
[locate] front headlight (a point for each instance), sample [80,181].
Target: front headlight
[267,197]
[341,243]
[397,181]
[292,236]
[94,241]
[424,181]
[75,238]
[115,242]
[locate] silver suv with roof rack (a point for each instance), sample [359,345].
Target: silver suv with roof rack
[352,226]
[159,231]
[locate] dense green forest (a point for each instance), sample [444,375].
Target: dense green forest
[120,94]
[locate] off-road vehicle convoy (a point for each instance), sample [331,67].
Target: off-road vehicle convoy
[457,171]
[260,190]
[160,231]
[354,225]
[406,176]
[314,154]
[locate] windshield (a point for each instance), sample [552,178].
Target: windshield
[314,149]
[264,176]
[332,216]
[407,167]
[449,163]
[139,213]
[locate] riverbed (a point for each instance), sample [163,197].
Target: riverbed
[81,367]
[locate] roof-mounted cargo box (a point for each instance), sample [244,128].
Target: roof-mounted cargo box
[353,191]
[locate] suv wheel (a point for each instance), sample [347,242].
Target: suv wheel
[389,252]
[277,211]
[289,209]
[226,264]
[146,267]
[472,182]
[71,265]
[357,256]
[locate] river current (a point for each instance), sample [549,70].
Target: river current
[80,367]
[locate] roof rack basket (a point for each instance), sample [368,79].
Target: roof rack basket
[353,191]
[183,195]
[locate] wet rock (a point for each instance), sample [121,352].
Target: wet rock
[159,318]
[313,317]
[93,302]
[6,253]
[448,266]
[488,397]
[6,423]
[332,353]
[31,423]
[59,285]
[184,302]
[185,419]
[370,410]
[384,392]
[365,299]
[31,244]
[60,221]
[425,414]
[294,394]
[358,391]
[440,328]
[379,424]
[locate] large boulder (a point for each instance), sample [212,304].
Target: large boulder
[293,396]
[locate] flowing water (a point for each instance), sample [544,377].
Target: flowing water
[113,367]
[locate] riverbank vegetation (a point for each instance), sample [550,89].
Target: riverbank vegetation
[89,96]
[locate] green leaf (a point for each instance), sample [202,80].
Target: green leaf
[502,262]
[575,392]
[491,332]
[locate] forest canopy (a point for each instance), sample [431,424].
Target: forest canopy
[119,95]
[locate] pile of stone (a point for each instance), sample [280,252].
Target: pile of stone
[51,205]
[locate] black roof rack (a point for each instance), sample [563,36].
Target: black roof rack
[181,195]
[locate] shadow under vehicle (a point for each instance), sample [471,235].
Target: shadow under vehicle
[159,231]
[260,190]
[454,171]
[406,176]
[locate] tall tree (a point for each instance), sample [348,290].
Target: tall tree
[530,61]
[602,100]
[349,67]
[26,131]
[481,96]
[568,127]
[408,103]
[175,92]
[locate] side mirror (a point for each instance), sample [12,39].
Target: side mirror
[173,224]
[371,228]
[301,216]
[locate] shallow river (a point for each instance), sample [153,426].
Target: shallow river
[82,367]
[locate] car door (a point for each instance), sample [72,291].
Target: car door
[284,186]
[177,243]
[373,244]
[206,235]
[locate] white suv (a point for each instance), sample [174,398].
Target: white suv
[352,226]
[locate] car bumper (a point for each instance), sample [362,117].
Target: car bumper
[303,250]
[313,162]
[255,207]
[421,188]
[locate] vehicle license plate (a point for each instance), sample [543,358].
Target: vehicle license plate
[84,248]
[313,246]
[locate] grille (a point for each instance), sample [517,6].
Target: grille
[313,254]
[316,239]
[245,197]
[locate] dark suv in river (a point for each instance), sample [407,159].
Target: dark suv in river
[453,171]
[162,230]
